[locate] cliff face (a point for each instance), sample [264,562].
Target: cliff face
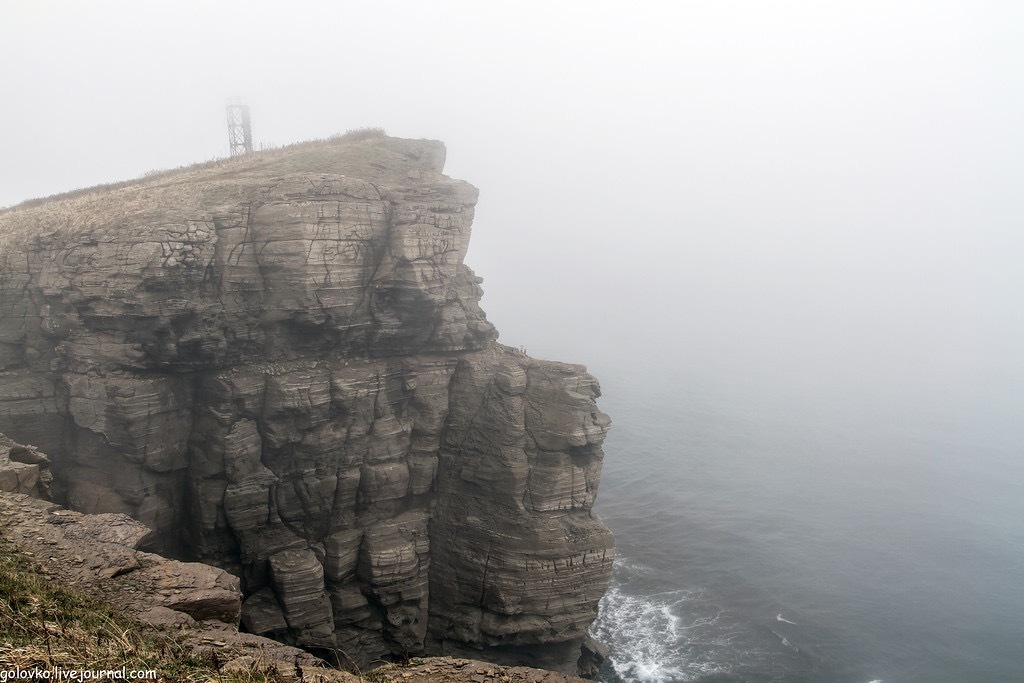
[281,366]
[196,605]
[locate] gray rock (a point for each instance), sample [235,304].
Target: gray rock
[165,618]
[279,364]
[262,613]
[298,580]
[101,552]
[342,553]
[24,469]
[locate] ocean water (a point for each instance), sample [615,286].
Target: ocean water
[845,532]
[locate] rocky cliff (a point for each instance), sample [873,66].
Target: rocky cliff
[279,364]
[183,615]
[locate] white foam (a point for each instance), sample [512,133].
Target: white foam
[778,617]
[785,641]
[647,629]
[654,637]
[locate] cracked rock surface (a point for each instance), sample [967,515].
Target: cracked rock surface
[279,364]
[199,603]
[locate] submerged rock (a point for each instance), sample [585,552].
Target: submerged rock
[280,365]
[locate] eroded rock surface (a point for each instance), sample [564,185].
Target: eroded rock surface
[24,469]
[100,553]
[280,366]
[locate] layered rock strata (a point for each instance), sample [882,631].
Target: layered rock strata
[195,603]
[280,365]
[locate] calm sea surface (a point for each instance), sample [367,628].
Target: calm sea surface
[772,531]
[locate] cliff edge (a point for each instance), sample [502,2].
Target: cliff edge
[279,364]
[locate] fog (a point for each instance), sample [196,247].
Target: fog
[785,235]
[801,192]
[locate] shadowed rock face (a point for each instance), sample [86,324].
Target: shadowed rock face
[281,366]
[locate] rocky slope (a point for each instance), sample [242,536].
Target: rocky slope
[196,605]
[280,365]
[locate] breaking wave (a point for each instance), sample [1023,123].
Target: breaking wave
[658,637]
[657,633]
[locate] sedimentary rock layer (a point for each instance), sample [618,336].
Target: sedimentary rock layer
[199,604]
[281,366]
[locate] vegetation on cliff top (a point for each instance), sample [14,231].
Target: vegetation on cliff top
[348,137]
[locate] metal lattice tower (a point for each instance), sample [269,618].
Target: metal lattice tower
[239,126]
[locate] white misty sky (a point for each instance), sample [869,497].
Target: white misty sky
[797,187]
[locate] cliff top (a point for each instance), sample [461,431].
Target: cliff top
[369,155]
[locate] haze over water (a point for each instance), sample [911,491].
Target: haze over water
[803,503]
[786,237]
[816,537]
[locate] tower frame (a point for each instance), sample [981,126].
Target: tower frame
[239,126]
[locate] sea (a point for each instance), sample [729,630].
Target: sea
[862,528]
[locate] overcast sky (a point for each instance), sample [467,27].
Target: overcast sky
[765,185]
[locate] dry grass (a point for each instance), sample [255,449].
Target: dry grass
[355,135]
[45,626]
[190,192]
[360,134]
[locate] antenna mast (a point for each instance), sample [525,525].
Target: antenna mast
[239,126]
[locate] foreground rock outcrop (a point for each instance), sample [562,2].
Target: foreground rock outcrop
[280,366]
[196,604]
